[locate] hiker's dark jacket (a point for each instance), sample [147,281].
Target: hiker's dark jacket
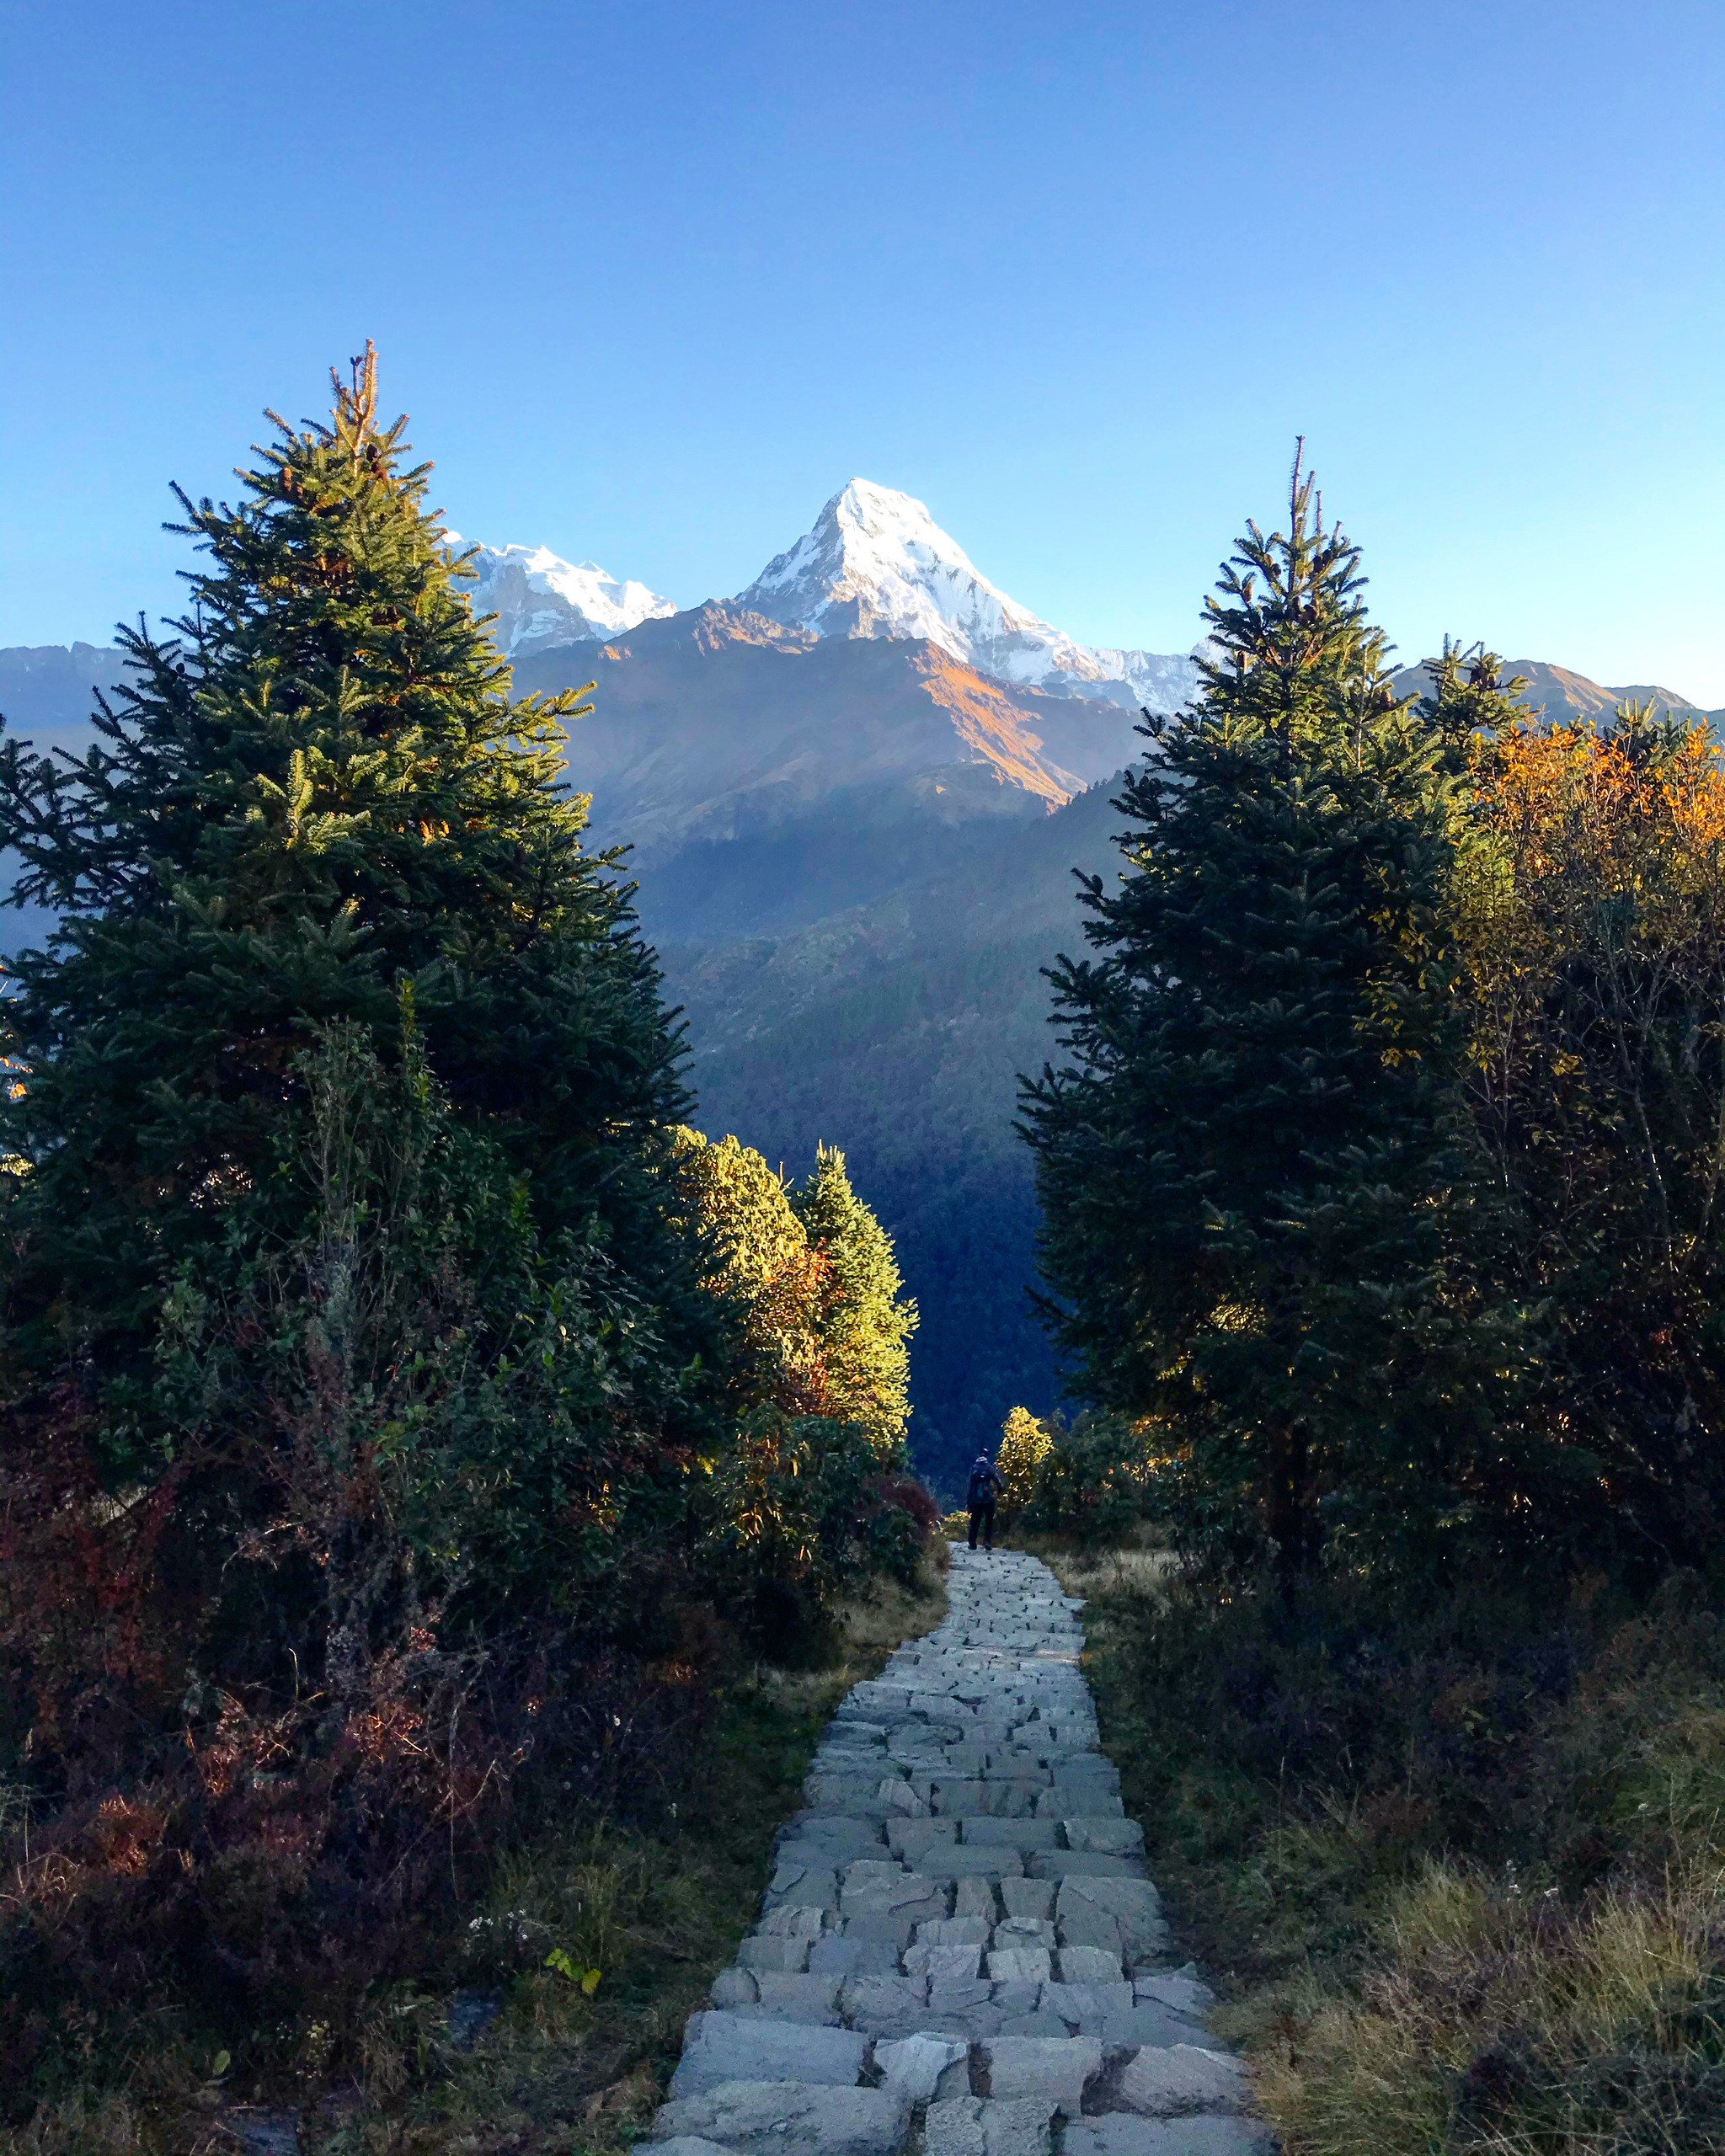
[986,1485]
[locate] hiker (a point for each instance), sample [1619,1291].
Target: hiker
[986,1485]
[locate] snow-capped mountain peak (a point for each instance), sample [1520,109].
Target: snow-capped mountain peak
[543,601]
[876,564]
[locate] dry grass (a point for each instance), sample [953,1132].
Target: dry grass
[1458,1871]
[1515,2026]
[1139,1564]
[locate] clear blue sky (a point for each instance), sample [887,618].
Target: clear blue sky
[655,281]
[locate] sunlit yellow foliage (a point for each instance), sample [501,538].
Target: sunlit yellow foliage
[763,1264]
[1592,919]
[1025,1444]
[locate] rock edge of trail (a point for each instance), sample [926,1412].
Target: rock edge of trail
[960,1952]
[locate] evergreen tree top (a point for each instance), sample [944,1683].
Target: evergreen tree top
[328,727]
[869,1318]
[1297,650]
[318,796]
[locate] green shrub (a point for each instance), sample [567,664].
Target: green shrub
[1090,1480]
[797,1512]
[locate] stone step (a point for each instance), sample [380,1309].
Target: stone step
[959,1952]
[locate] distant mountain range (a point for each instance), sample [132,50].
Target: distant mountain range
[855,794]
[874,565]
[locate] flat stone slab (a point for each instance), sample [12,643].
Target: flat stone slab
[781,1956]
[803,1886]
[1085,2004]
[1034,2022]
[971,2125]
[917,2066]
[971,1863]
[954,1931]
[995,1800]
[1020,1834]
[1182,1991]
[813,2000]
[790,2118]
[910,1837]
[833,1956]
[1123,1915]
[911,1897]
[1069,1804]
[1028,1898]
[793,1920]
[893,1929]
[1164,2082]
[1024,1931]
[835,1834]
[943,1964]
[735,1988]
[1051,2068]
[1150,2025]
[886,2006]
[975,1898]
[1106,1837]
[1083,1864]
[720,2047]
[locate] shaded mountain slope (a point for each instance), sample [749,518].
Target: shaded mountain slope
[897,1030]
[766,776]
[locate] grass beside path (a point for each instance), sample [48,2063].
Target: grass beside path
[1457,1870]
[558,2071]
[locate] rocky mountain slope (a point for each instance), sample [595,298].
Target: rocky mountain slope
[767,775]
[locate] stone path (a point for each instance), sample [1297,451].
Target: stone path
[959,1952]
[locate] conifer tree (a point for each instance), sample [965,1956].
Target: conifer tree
[866,1321]
[1244,1165]
[318,792]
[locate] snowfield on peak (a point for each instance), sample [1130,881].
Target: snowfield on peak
[877,564]
[544,601]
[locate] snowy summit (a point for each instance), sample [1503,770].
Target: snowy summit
[544,601]
[877,564]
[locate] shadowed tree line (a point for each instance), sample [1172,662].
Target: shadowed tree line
[405,1419]
[1380,1169]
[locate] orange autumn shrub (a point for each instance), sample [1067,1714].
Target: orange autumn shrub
[1591,921]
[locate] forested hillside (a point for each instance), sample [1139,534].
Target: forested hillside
[858,951]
